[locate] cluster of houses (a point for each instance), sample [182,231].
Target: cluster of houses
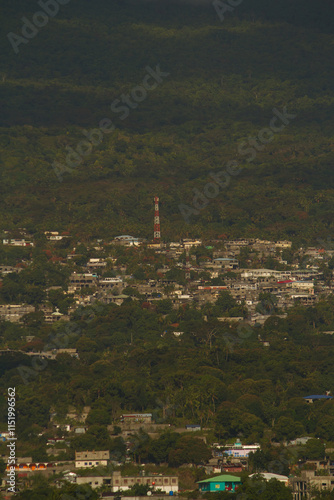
[313,475]
[98,468]
[233,266]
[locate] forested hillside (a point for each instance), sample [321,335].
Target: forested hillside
[217,375]
[225,78]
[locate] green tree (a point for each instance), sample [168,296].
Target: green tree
[189,450]
[2,466]
[164,306]
[325,428]
[314,449]
[287,429]
[99,417]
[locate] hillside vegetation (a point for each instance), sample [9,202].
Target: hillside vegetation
[224,80]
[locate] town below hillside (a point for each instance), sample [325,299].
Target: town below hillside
[245,280]
[167,368]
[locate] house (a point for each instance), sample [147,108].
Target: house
[267,476]
[115,299]
[315,397]
[80,430]
[308,481]
[232,319]
[167,484]
[82,280]
[143,418]
[108,283]
[85,459]
[71,477]
[4,435]
[80,416]
[193,427]
[260,273]
[226,263]
[191,243]
[127,240]
[224,482]
[94,481]
[283,244]
[235,467]
[14,312]
[96,263]
[16,242]
[53,317]
[238,450]
[10,269]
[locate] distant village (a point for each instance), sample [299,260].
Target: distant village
[266,277]
[237,266]
[103,472]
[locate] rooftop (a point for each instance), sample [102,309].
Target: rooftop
[317,396]
[222,479]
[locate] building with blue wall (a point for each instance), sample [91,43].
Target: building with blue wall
[224,482]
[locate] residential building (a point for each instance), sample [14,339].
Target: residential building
[166,484]
[143,418]
[303,485]
[14,312]
[224,482]
[85,459]
[267,476]
[315,397]
[94,481]
[96,264]
[85,280]
[17,242]
[9,269]
[127,240]
[238,450]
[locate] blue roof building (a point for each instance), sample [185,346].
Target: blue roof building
[317,397]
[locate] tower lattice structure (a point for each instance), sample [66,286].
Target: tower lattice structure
[157,233]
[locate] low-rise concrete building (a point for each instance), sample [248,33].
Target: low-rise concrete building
[94,481]
[157,482]
[85,459]
[143,418]
[302,486]
[14,312]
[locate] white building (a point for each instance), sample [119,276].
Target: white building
[15,242]
[157,482]
[238,450]
[261,273]
[267,476]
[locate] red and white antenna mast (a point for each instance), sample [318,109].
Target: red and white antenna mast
[156,220]
[187,263]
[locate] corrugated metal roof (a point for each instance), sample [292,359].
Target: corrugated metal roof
[224,478]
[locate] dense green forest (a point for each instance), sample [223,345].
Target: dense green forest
[215,374]
[225,79]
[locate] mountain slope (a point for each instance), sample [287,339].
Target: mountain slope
[225,79]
